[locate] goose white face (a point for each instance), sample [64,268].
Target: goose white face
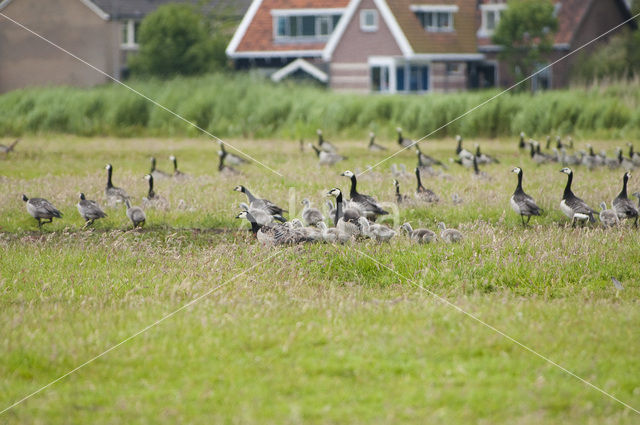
[172,158]
[516,170]
[399,129]
[243,214]
[458,138]
[334,192]
[566,170]
[238,188]
[347,174]
[108,167]
[395,182]
[147,177]
[220,153]
[522,134]
[627,175]
[319,132]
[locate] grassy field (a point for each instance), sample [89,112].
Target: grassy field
[317,333]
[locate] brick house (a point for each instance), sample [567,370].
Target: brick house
[102,32]
[403,46]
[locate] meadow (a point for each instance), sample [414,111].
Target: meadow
[313,333]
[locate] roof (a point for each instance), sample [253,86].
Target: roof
[255,33]
[123,9]
[300,65]
[462,40]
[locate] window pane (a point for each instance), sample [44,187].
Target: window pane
[375,78]
[308,26]
[323,25]
[136,30]
[491,20]
[282,26]
[400,78]
[292,26]
[336,18]
[125,32]
[384,79]
[428,19]
[425,78]
[443,20]
[370,19]
[413,78]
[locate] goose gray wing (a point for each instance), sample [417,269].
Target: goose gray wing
[90,209]
[267,205]
[42,206]
[624,208]
[368,203]
[527,204]
[579,206]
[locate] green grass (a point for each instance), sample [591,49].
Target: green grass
[246,105]
[318,333]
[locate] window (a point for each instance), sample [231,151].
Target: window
[304,27]
[490,18]
[412,78]
[436,21]
[130,33]
[380,78]
[369,20]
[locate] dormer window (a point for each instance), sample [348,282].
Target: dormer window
[304,25]
[490,18]
[435,18]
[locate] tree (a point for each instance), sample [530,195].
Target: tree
[526,34]
[176,39]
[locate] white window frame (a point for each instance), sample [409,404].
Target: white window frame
[497,9]
[327,13]
[363,20]
[130,43]
[435,10]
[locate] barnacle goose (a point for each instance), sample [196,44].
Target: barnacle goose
[367,203]
[41,209]
[418,235]
[135,214]
[373,146]
[522,203]
[89,210]
[572,206]
[422,193]
[609,218]
[622,205]
[263,204]
[114,194]
[311,216]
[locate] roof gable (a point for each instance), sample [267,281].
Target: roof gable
[89,3]
[255,36]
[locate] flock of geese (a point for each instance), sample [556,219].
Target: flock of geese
[355,218]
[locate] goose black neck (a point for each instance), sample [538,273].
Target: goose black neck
[519,187]
[478,150]
[548,143]
[338,208]
[398,191]
[533,150]
[371,140]
[153,165]
[151,193]
[630,151]
[221,162]
[320,139]
[175,165]
[418,178]
[399,137]
[109,172]
[623,192]
[567,190]
[619,156]
[254,225]
[475,166]
[316,150]
[459,148]
[353,192]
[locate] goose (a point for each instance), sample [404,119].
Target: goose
[609,218]
[41,209]
[456,199]
[548,145]
[424,166]
[262,204]
[476,171]
[566,159]
[274,233]
[89,210]
[332,234]
[324,144]
[231,158]
[135,214]
[405,143]
[418,235]
[367,203]
[449,235]
[521,143]
[622,205]
[261,217]
[591,160]
[177,174]
[222,167]
[460,151]
[157,174]
[399,197]
[522,203]
[153,200]
[572,206]
[426,160]
[616,161]
[537,156]
[345,219]
[635,156]
[377,232]
[326,158]
[6,149]
[422,193]
[484,158]
[311,216]
[313,233]
[373,146]
[114,194]
[331,209]
[623,162]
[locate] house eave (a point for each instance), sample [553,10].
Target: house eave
[275,54]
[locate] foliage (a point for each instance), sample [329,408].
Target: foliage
[176,39]
[244,105]
[526,34]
